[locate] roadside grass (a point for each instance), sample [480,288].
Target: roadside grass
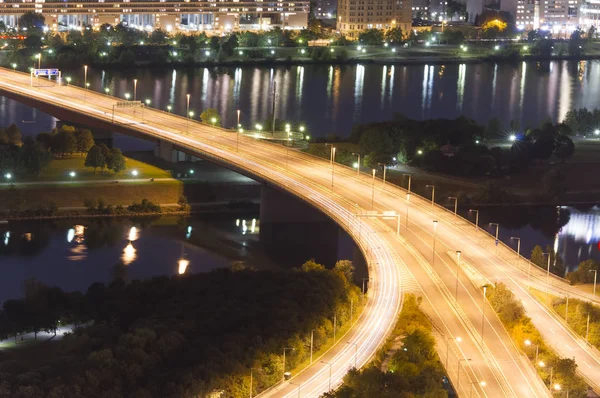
[59,169]
[74,195]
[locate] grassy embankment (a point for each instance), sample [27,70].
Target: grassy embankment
[55,185]
[576,315]
[558,373]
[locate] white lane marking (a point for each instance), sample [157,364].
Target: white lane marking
[552,330]
[566,345]
[587,364]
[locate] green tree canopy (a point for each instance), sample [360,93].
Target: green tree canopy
[116,161]
[95,158]
[211,116]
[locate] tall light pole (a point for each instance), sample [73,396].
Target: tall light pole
[457,270]
[328,363]
[373,192]
[496,225]
[355,351]
[134,89]
[312,335]
[251,369]
[528,343]
[287,348]
[518,245]
[458,371]
[455,204]
[332,163]
[357,164]
[595,271]
[187,113]
[435,223]
[483,312]
[384,170]
[238,118]
[547,276]
[476,217]
[448,339]
[587,328]
[297,385]
[409,180]
[432,193]
[39,57]
[85,85]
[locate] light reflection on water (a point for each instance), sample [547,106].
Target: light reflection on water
[579,239]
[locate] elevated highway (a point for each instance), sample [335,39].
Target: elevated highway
[483,363]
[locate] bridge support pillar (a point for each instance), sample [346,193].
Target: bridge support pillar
[164,150]
[293,232]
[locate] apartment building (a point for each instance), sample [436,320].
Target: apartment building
[216,15]
[555,16]
[357,15]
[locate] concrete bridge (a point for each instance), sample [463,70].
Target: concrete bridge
[413,260]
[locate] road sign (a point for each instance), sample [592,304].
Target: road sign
[128,104]
[46,72]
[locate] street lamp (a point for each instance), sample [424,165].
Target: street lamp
[72,174]
[68,79]
[39,57]
[547,275]
[595,271]
[384,170]
[332,164]
[14,66]
[432,193]
[448,339]
[8,176]
[357,163]
[187,112]
[134,89]
[148,101]
[169,108]
[518,245]
[483,311]
[435,224]
[297,385]
[355,351]
[363,284]
[496,225]
[213,120]
[373,192]
[328,363]
[134,173]
[287,348]
[458,372]
[529,343]
[455,203]
[238,117]
[476,218]
[409,180]
[127,96]
[251,369]
[457,270]
[85,83]
[106,90]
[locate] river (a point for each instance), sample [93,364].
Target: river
[326,100]
[331,99]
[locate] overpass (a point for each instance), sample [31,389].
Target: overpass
[415,260]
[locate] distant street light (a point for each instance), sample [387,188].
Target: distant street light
[68,79]
[476,217]
[134,89]
[72,174]
[458,371]
[134,173]
[432,193]
[455,204]
[213,120]
[169,107]
[127,96]
[373,192]
[148,101]
[529,343]
[14,66]
[8,176]
[107,90]
[512,137]
[595,271]
[328,363]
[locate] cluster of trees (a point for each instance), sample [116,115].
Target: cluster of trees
[99,207]
[185,336]
[413,370]
[457,146]
[21,158]
[582,274]
[66,140]
[583,121]
[101,157]
[540,259]
[511,313]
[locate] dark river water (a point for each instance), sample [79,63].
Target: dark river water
[331,99]
[73,254]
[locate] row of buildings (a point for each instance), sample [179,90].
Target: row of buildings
[352,16]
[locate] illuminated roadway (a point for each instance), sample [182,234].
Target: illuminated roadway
[397,264]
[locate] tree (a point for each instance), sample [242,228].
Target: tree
[13,135]
[63,141]
[395,35]
[311,266]
[372,37]
[564,148]
[576,43]
[582,274]
[116,161]
[211,116]
[95,158]
[494,128]
[158,36]
[83,140]
[509,309]
[537,257]
[31,21]
[33,157]
[346,268]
